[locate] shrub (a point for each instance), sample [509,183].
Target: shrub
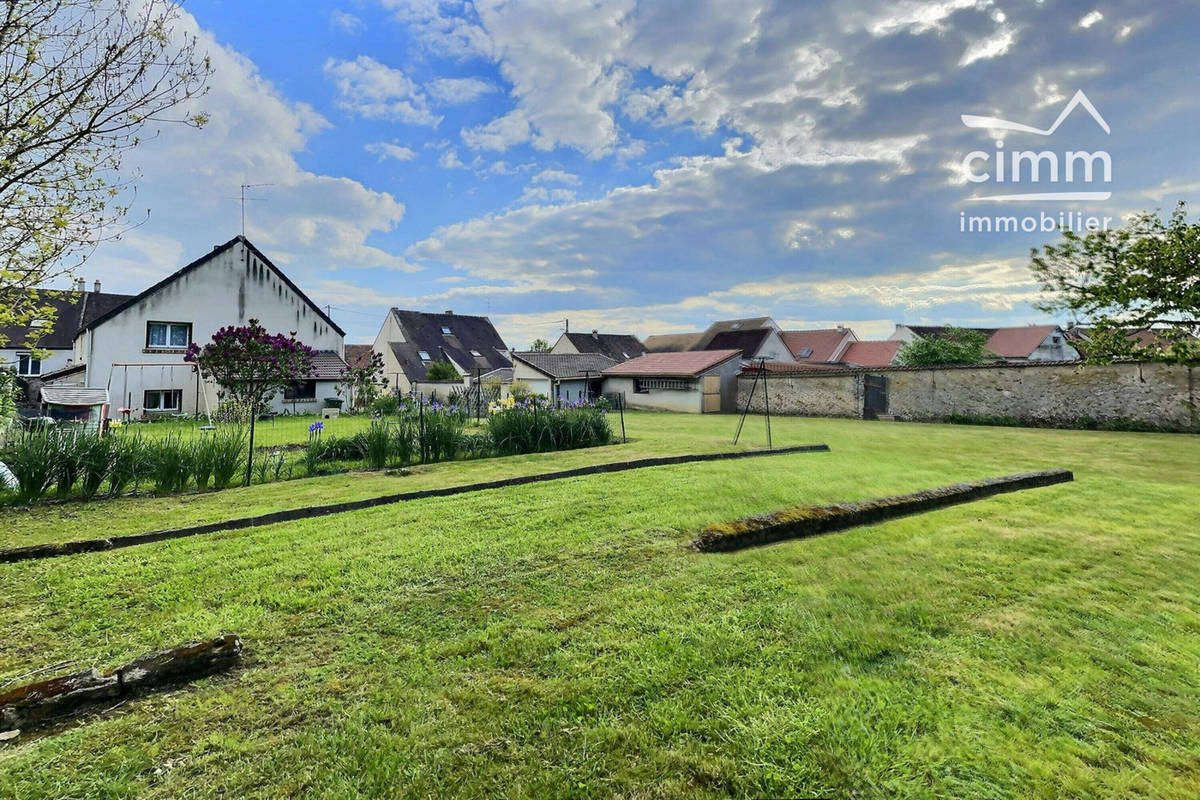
[377,444]
[128,461]
[533,426]
[387,405]
[441,371]
[67,444]
[519,390]
[440,432]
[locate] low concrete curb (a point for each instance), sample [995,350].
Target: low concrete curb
[796,523]
[92,545]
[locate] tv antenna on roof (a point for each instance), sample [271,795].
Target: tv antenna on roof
[246,186]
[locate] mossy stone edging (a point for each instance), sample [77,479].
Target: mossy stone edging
[53,549]
[799,522]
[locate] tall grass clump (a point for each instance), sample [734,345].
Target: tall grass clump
[67,445]
[377,444]
[129,459]
[31,458]
[96,454]
[535,426]
[227,452]
[170,463]
[440,432]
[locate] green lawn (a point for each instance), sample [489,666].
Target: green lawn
[559,639]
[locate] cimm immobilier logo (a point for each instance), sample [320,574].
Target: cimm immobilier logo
[1034,176]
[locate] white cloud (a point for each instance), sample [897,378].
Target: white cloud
[346,22]
[499,134]
[1091,18]
[389,150]
[306,222]
[914,16]
[999,43]
[376,91]
[556,176]
[452,91]
[449,160]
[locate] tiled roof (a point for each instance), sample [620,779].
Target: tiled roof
[75,310]
[358,355]
[617,346]
[672,342]
[871,353]
[796,368]
[822,342]
[566,365]
[673,365]
[747,341]
[327,366]
[424,332]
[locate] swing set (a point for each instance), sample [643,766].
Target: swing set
[163,371]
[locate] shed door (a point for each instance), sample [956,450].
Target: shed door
[712,393]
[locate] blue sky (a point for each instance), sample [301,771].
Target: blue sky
[649,167]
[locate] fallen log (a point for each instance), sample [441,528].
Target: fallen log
[799,522]
[55,699]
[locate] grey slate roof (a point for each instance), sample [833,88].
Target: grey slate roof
[75,311]
[73,396]
[423,332]
[617,346]
[565,366]
[748,341]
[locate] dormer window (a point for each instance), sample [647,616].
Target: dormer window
[424,355]
[446,330]
[476,353]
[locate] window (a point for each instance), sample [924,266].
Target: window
[300,390]
[1056,339]
[446,329]
[804,352]
[424,355]
[644,385]
[28,365]
[477,354]
[169,335]
[161,400]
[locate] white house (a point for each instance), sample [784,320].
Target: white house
[136,348]
[411,341]
[562,376]
[698,381]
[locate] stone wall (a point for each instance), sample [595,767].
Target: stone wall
[1044,394]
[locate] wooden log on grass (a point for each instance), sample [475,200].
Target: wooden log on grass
[55,699]
[795,523]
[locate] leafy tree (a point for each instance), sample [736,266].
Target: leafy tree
[953,346]
[441,371]
[539,346]
[362,382]
[251,365]
[1145,275]
[81,81]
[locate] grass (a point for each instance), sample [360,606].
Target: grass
[559,640]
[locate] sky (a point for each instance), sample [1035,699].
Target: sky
[648,167]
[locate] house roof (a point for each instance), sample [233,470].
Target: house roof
[1015,342]
[468,335]
[216,251]
[358,355]
[73,396]
[673,365]
[327,366]
[823,343]
[64,372]
[565,365]
[731,325]
[747,341]
[672,342]
[617,346]
[503,374]
[74,311]
[871,353]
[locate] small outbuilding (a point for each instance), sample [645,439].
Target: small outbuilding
[561,376]
[79,404]
[700,381]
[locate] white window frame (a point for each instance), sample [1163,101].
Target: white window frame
[169,395]
[170,327]
[30,362]
[424,356]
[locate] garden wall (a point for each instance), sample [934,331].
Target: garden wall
[1056,393]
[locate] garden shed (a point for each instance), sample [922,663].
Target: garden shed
[78,404]
[699,381]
